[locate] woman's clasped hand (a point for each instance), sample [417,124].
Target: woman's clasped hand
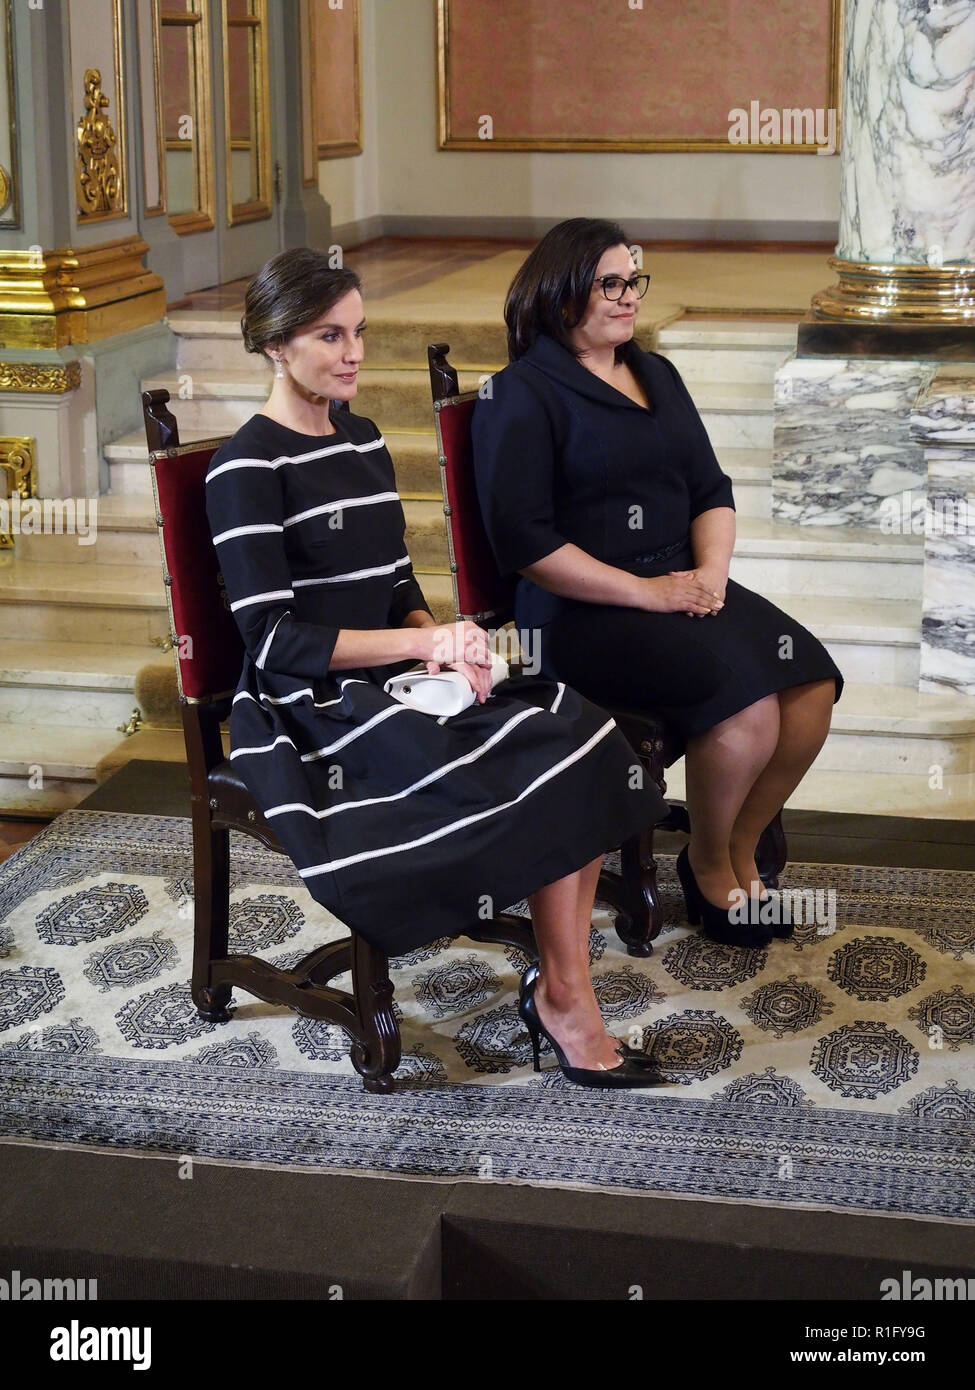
[681,591]
[462,647]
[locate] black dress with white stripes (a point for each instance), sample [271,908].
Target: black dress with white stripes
[407,827]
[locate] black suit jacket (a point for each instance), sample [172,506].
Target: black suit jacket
[560,456]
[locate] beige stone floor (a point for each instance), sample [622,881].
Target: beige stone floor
[407,278]
[739,282]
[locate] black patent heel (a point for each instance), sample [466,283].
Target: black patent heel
[633,1070]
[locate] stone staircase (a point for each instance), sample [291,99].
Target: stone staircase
[891,749]
[76,624]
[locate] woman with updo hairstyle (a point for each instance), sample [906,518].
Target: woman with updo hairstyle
[408,827]
[599,487]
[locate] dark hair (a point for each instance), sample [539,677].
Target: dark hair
[550,292]
[291,290]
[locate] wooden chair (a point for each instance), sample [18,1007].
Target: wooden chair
[209,658]
[483,596]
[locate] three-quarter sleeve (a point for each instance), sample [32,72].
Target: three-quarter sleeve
[245,509]
[708,485]
[514,471]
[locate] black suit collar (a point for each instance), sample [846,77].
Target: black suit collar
[559,364]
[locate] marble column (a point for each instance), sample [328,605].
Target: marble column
[908,149]
[844,454]
[943,423]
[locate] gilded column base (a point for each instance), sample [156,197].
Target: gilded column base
[873,292]
[52,298]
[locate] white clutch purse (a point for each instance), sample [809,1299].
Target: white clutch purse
[441,694]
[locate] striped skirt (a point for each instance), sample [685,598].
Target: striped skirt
[409,828]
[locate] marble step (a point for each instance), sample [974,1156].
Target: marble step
[870,793]
[414,454]
[827,562]
[727,350]
[221,401]
[124,604]
[46,767]
[124,531]
[891,729]
[725,332]
[214,402]
[821,563]
[750,471]
[735,414]
[83,684]
[211,339]
[128,461]
[415,458]
[871,642]
[748,367]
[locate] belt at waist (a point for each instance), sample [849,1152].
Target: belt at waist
[658,556]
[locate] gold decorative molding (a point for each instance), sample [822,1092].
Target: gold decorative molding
[876,292]
[17,468]
[6,189]
[49,299]
[98,183]
[39,377]
[133,726]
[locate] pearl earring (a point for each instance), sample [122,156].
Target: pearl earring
[279,370]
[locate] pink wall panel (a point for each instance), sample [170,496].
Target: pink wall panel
[336,76]
[596,70]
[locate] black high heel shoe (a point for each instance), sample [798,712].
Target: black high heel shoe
[624,1049]
[717,923]
[778,927]
[630,1072]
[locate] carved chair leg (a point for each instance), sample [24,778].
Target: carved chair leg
[772,852]
[211,917]
[376,1054]
[637,928]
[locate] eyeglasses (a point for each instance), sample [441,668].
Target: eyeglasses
[614,286]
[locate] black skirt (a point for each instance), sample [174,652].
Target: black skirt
[693,672]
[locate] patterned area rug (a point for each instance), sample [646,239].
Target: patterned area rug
[832,1070]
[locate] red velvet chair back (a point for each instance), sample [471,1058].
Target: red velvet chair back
[481,594]
[210,653]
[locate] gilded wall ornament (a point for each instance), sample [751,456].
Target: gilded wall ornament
[97,180]
[35,376]
[20,477]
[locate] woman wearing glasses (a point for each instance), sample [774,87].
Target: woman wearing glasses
[599,486]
